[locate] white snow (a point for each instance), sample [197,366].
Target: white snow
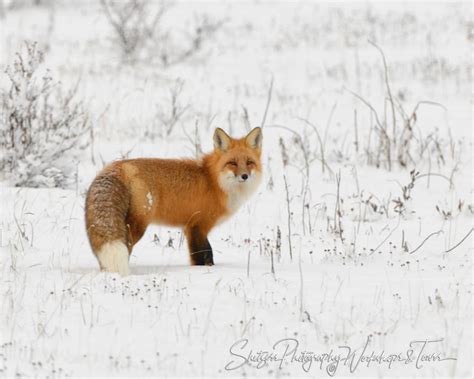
[365,262]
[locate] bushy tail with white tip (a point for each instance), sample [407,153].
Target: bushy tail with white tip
[107,204]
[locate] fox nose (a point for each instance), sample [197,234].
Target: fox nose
[244,176]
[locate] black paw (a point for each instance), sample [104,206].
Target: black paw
[202,259]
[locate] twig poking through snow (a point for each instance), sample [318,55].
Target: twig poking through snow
[248,264]
[435,174]
[389,92]
[426,239]
[289,216]
[300,270]
[269,99]
[386,238]
[460,242]
[273,266]
[337,209]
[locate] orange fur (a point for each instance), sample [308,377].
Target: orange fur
[192,194]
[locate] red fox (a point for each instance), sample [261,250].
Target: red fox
[128,195]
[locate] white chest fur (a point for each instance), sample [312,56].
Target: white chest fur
[238,192]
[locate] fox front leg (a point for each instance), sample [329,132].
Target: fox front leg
[200,249]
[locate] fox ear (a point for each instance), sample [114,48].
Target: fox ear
[221,140]
[254,138]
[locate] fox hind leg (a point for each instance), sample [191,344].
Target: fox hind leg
[200,249]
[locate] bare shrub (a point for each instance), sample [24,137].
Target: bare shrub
[397,138]
[42,127]
[173,50]
[133,23]
[171,109]
[141,36]
[170,112]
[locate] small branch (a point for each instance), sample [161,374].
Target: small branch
[273,265]
[300,142]
[386,238]
[321,144]
[248,265]
[328,123]
[389,92]
[245,116]
[337,209]
[289,217]
[460,242]
[300,269]
[269,99]
[356,133]
[426,239]
[379,123]
[435,174]
[429,102]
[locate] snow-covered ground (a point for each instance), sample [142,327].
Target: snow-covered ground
[333,268]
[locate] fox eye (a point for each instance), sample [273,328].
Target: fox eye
[232,163]
[249,162]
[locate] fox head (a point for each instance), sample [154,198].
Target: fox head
[238,164]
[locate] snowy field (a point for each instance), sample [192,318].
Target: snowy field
[357,246]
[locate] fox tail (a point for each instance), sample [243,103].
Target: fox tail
[107,204]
